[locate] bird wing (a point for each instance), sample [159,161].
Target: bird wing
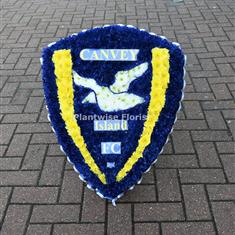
[86,82]
[124,78]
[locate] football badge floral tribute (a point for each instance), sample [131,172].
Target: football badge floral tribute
[112,95]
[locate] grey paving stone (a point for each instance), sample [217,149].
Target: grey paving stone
[34,195]
[37,93]
[52,171]
[229,114]
[188,228]
[199,96]
[15,178]
[15,220]
[93,210]
[205,160]
[190,125]
[229,163]
[18,145]
[31,85]
[4,197]
[180,114]
[201,85]
[168,148]
[5,100]
[215,120]
[221,91]
[189,88]
[22,63]
[203,28]
[34,157]
[119,219]
[227,50]
[182,142]
[33,128]
[78,229]
[147,229]
[148,177]
[4,109]
[226,69]
[39,229]
[196,203]
[3,81]
[12,58]
[9,89]
[177,161]
[158,212]
[218,104]
[33,42]
[55,213]
[34,105]
[43,138]
[211,136]
[21,96]
[168,185]
[221,192]
[207,64]
[10,163]
[212,46]
[201,176]
[225,147]
[6,131]
[19,118]
[33,69]
[197,42]
[193,110]
[140,193]
[231,125]
[224,213]
[207,154]
[68,166]
[43,115]
[71,190]
[54,150]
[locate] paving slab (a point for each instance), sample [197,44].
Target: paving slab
[189,191]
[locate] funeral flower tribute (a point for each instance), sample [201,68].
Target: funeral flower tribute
[112,95]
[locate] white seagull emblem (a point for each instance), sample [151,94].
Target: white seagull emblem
[115,97]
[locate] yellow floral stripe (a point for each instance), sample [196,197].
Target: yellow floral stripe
[63,70]
[160,80]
